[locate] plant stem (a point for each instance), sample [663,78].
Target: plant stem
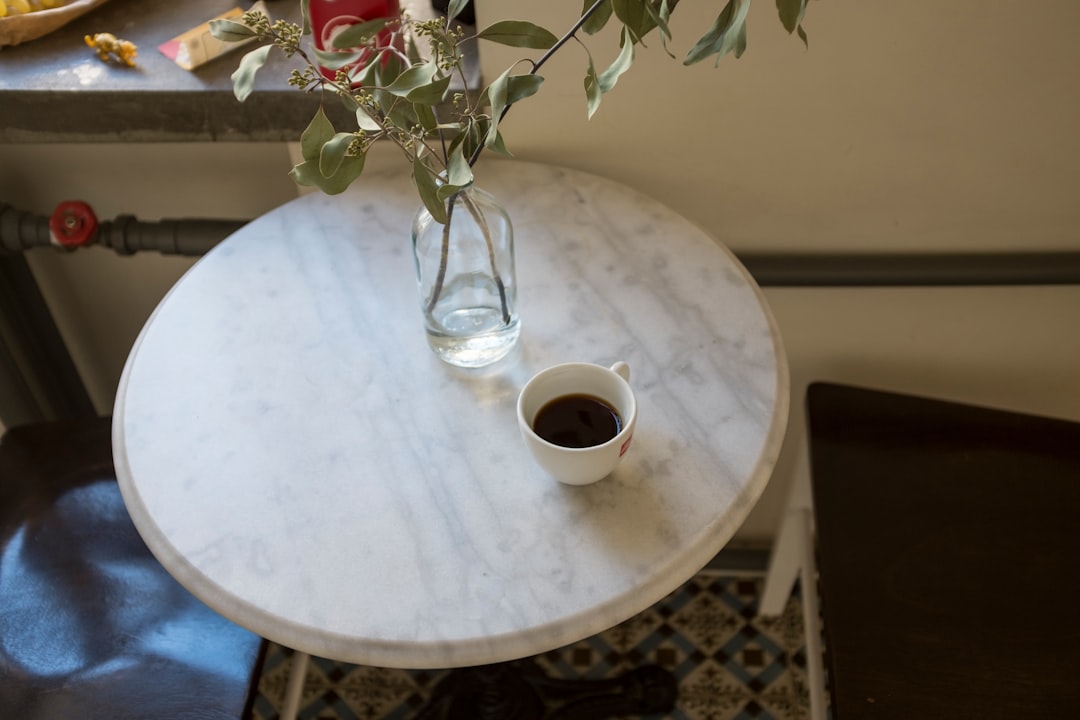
[543,59]
[444,257]
[565,38]
[481,222]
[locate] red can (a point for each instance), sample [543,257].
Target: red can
[330,17]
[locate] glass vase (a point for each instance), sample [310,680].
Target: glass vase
[466,281]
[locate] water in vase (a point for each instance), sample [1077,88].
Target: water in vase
[473,326]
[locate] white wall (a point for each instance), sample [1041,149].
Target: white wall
[906,125]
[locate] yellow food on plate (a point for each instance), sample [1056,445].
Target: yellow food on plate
[21,7]
[25,20]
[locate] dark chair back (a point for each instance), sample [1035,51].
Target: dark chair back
[948,541]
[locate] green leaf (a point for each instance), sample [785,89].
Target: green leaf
[458,140]
[358,34]
[740,44]
[791,13]
[351,168]
[724,35]
[598,19]
[597,85]
[455,8]
[496,95]
[459,174]
[473,136]
[657,18]
[377,75]
[413,78]
[428,188]
[307,173]
[402,114]
[430,94]
[427,118]
[458,170]
[244,77]
[609,77]
[659,12]
[518,33]
[412,51]
[333,152]
[634,17]
[666,8]
[802,36]
[593,93]
[230,30]
[445,192]
[499,146]
[368,76]
[661,15]
[518,87]
[315,135]
[365,122]
[388,68]
[348,102]
[503,92]
[305,10]
[334,59]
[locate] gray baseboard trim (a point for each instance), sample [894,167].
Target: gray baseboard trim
[916,269]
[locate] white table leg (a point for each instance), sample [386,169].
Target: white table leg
[815,666]
[295,690]
[788,551]
[793,556]
[783,566]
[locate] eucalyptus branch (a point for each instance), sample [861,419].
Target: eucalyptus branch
[417,86]
[571,33]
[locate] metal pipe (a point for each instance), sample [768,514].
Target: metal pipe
[21,231]
[127,235]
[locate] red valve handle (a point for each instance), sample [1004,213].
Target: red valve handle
[72,224]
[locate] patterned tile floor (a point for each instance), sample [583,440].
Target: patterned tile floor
[730,664]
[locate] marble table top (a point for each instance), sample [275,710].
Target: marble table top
[296,456]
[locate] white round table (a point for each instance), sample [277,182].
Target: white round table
[294,454]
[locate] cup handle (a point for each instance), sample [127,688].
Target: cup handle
[622,370]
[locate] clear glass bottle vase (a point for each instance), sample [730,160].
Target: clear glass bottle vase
[466,281]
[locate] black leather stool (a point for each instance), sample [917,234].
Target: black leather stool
[92,627]
[948,541]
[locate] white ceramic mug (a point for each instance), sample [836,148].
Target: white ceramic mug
[578,465]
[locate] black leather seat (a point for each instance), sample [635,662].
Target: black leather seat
[92,627]
[948,556]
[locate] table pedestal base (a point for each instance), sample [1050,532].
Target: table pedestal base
[521,691]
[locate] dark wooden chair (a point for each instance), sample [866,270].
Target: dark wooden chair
[948,541]
[91,625]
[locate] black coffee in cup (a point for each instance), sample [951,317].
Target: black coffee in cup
[577,421]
